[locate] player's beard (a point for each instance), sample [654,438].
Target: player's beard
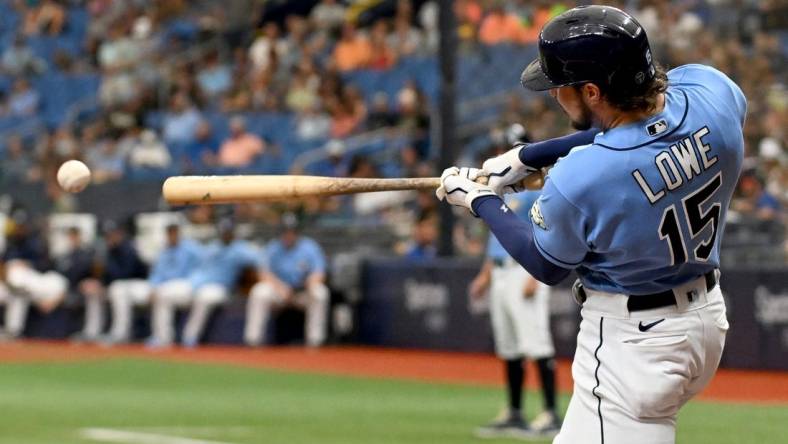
[586,120]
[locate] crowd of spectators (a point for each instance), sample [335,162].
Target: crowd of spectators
[185,60]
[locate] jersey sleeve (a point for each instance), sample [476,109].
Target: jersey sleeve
[722,87]
[559,228]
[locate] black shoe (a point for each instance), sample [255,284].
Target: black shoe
[508,427]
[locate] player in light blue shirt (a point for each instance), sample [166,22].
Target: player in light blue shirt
[174,264]
[208,285]
[293,273]
[684,176]
[638,212]
[177,260]
[293,260]
[224,261]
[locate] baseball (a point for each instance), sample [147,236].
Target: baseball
[73,176]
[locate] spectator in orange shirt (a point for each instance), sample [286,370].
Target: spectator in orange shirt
[468,11]
[353,51]
[500,27]
[242,148]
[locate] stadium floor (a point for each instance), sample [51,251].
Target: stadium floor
[55,392]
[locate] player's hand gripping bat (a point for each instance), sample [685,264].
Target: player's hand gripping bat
[185,190]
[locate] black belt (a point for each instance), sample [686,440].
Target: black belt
[665,298]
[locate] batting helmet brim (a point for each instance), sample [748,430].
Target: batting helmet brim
[534,78]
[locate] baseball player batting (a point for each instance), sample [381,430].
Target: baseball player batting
[638,212]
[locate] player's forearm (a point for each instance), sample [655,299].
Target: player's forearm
[547,152]
[517,238]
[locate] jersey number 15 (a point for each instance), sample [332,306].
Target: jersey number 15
[697,221]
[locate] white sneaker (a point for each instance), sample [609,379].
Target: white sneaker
[546,423]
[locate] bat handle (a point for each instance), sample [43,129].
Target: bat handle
[534,181]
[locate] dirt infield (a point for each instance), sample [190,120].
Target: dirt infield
[464,368]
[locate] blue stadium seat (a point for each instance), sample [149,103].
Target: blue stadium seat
[59,92]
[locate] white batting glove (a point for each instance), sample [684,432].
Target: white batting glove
[505,172]
[459,189]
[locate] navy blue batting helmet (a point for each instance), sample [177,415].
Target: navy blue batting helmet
[598,44]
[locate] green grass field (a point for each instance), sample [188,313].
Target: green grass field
[55,403]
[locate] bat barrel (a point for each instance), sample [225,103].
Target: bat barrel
[184,190]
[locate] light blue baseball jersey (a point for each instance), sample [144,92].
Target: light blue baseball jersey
[642,209]
[520,204]
[176,262]
[293,265]
[222,264]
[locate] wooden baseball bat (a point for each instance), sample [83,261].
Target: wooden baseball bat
[186,190]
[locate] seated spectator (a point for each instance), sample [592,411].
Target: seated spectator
[149,152]
[413,117]
[267,48]
[368,206]
[348,112]
[412,165]
[117,51]
[353,50]
[106,162]
[500,27]
[380,116]
[265,93]
[293,274]
[406,39]
[242,148]
[302,93]
[16,164]
[47,16]
[334,164]
[28,276]
[24,100]
[207,286]
[313,123]
[118,89]
[179,258]
[119,264]
[382,56]
[423,245]
[19,60]
[428,19]
[327,16]
[214,77]
[203,148]
[755,200]
[181,121]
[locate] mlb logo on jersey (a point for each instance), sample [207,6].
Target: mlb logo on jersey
[658,127]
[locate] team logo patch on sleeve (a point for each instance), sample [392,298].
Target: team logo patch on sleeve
[536,216]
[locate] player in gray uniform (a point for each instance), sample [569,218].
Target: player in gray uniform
[637,211]
[520,316]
